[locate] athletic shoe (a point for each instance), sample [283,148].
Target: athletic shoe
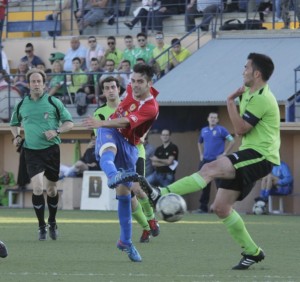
[122,177]
[153,193]
[248,260]
[3,250]
[43,233]
[132,252]
[53,232]
[145,238]
[111,20]
[154,226]
[129,25]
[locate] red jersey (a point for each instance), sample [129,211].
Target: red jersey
[141,115]
[2,9]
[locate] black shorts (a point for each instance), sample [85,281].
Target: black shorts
[250,166]
[140,169]
[45,160]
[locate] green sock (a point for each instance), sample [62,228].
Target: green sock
[186,185]
[140,217]
[147,209]
[236,228]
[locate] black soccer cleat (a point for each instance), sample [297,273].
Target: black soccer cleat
[153,193]
[3,250]
[43,233]
[248,260]
[53,232]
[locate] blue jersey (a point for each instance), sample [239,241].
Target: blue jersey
[214,141]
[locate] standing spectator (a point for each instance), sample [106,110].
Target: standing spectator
[144,50]
[164,161]
[31,59]
[285,12]
[76,50]
[3,4]
[112,52]
[178,53]
[42,123]
[94,51]
[163,60]
[167,8]
[211,145]
[128,53]
[20,80]
[198,8]
[95,15]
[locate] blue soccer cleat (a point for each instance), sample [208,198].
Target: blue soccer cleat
[132,252]
[122,177]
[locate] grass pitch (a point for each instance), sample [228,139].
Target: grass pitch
[197,248]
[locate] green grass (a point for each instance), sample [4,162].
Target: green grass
[197,248]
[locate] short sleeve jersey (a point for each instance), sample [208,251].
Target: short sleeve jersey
[214,141]
[260,109]
[103,113]
[165,153]
[141,115]
[37,117]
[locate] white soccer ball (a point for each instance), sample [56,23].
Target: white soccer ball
[259,208]
[171,207]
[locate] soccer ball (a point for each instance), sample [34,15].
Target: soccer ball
[259,208]
[171,207]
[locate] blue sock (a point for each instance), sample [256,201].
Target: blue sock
[124,213]
[107,163]
[262,193]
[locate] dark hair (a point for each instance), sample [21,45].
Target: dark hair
[91,36]
[141,59]
[141,34]
[109,60]
[145,70]
[111,38]
[76,59]
[29,45]
[175,41]
[35,70]
[126,61]
[128,37]
[94,60]
[263,64]
[109,79]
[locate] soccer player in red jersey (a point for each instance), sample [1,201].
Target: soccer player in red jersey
[115,145]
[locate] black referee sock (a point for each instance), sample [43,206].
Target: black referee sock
[38,202]
[52,206]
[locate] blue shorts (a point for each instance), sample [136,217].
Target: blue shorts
[127,154]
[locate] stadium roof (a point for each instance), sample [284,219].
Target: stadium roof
[215,70]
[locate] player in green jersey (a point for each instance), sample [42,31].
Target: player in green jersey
[258,122]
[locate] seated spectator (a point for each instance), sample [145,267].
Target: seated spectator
[195,9]
[78,78]
[92,88]
[163,60]
[95,50]
[278,182]
[76,50]
[167,8]
[178,53]
[145,49]
[87,161]
[31,59]
[141,15]
[56,56]
[264,7]
[110,70]
[125,73]
[95,15]
[112,52]
[57,86]
[129,51]
[20,81]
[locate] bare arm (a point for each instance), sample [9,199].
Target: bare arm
[162,162]
[229,146]
[15,130]
[239,124]
[91,123]
[200,149]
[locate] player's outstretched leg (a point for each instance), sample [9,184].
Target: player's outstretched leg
[3,250]
[121,177]
[153,193]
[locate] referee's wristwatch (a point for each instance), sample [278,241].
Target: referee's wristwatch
[57,131]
